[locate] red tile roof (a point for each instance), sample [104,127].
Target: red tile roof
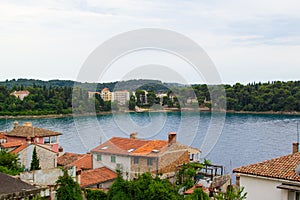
[11,144]
[84,162]
[199,185]
[30,131]
[129,146]
[105,90]
[68,158]
[20,148]
[2,136]
[97,176]
[280,168]
[81,161]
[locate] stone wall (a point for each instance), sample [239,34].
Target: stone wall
[169,161]
[142,166]
[48,159]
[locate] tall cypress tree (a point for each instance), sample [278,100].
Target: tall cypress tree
[35,162]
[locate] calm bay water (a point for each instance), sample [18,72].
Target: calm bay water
[245,138]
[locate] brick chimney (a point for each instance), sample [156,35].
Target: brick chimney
[133,135]
[172,137]
[295,147]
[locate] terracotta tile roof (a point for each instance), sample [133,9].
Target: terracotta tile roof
[150,146]
[129,146]
[11,144]
[29,131]
[25,145]
[105,90]
[68,158]
[97,176]
[85,162]
[280,168]
[2,136]
[20,148]
[199,185]
[81,161]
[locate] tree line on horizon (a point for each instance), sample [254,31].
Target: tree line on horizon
[257,97]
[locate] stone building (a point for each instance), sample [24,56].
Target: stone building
[134,156]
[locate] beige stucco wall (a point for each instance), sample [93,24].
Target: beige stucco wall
[262,189]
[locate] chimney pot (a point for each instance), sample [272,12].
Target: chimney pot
[172,138]
[295,147]
[133,135]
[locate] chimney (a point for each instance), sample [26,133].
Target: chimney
[172,137]
[60,151]
[27,124]
[133,135]
[16,123]
[295,147]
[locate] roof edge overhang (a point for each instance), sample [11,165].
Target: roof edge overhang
[294,182]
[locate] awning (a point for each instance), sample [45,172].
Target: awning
[295,188]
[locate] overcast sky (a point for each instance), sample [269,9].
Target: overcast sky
[257,40]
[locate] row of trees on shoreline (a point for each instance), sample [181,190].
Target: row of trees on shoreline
[275,96]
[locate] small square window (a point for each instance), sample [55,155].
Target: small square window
[150,162]
[53,139]
[99,157]
[46,140]
[136,160]
[113,159]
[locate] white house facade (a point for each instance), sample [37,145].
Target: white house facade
[275,179]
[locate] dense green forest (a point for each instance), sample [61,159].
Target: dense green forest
[65,97]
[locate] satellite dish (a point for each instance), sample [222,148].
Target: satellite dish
[297,170]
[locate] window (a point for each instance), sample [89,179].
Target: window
[113,159]
[294,195]
[53,139]
[46,140]
[150,162]
[136,160]
[99,157]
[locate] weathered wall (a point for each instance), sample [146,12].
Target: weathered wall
[142,166]
[48,159]
[171,159]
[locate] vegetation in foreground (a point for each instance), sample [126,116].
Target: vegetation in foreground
[9,163]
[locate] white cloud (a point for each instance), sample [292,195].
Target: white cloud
[51,39]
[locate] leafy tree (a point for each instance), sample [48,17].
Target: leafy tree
[198,194]
[35,161]
[143,188]
[131,104]
[67,189]
[95,194]
[9,163]
[232,194]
